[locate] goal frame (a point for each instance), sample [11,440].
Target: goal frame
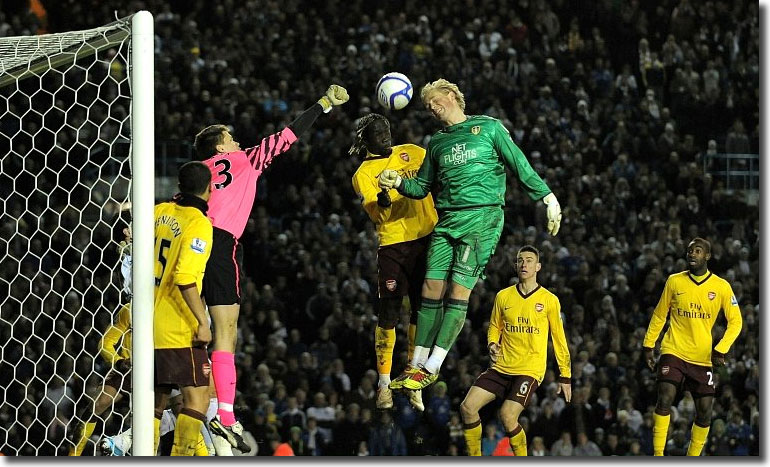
[143,202]
[52,51]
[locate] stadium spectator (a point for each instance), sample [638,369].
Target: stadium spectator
[585,447]
[192,90]
[387,438]
[563,445]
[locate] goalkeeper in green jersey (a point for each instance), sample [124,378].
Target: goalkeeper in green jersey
[464,168]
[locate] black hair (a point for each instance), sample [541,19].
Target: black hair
[361,126]
[705,244]
[194,178]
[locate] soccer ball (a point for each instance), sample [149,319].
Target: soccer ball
[394,91]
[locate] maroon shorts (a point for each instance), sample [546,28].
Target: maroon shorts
[182,367]
[401,269]
[118,380]
[508,387]
[699,380]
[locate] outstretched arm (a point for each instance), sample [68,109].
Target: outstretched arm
[531,182]
[262,155]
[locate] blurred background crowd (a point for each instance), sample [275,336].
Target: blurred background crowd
[620,105]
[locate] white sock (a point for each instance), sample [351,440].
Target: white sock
[384,380]
[420,355]
[437,357]
[212,410]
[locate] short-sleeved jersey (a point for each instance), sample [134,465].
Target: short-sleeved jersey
[183,238]
[521,325]
[234,180]
[464,166]
[116,342]
[692,308]
[405,219]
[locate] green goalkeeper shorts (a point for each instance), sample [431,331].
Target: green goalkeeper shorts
[462,243]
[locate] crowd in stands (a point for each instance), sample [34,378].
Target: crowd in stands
[619,106]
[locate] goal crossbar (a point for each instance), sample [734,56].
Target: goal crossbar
[55,50]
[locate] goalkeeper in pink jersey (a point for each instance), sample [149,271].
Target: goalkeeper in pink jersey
[235,173]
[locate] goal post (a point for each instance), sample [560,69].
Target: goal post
[76,148]
[143,200]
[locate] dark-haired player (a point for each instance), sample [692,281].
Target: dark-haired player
[234,187]
[523,316]
[692,301]
[403,228]
[183,237]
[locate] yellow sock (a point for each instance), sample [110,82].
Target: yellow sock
[188,429]
[659,433]
[518,441]
[472,433]
[384,341]
[84,431]
[156,438]
[410,349]
[200,448]
[699,434]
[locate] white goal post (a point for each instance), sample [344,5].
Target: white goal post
[76,155]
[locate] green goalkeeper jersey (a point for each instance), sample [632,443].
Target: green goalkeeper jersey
[464,166]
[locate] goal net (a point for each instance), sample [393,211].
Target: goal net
[66,174]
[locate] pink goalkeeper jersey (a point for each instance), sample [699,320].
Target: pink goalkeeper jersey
[234,180]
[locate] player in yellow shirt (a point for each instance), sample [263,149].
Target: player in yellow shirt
[183,237]
[523,315]
[403,228]
[692,301]
[115,348]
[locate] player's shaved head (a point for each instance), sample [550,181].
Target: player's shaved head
[701,242]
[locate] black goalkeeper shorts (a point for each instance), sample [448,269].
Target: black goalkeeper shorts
[224,270]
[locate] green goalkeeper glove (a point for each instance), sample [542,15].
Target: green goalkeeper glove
[389,178]
[553,211]
[335,95]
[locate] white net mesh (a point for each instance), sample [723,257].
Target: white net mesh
[64,175]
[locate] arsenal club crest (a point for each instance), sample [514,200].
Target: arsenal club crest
[712,295]
[475,129]
[404,157]
[539,307]
[664,370]
[390,284]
